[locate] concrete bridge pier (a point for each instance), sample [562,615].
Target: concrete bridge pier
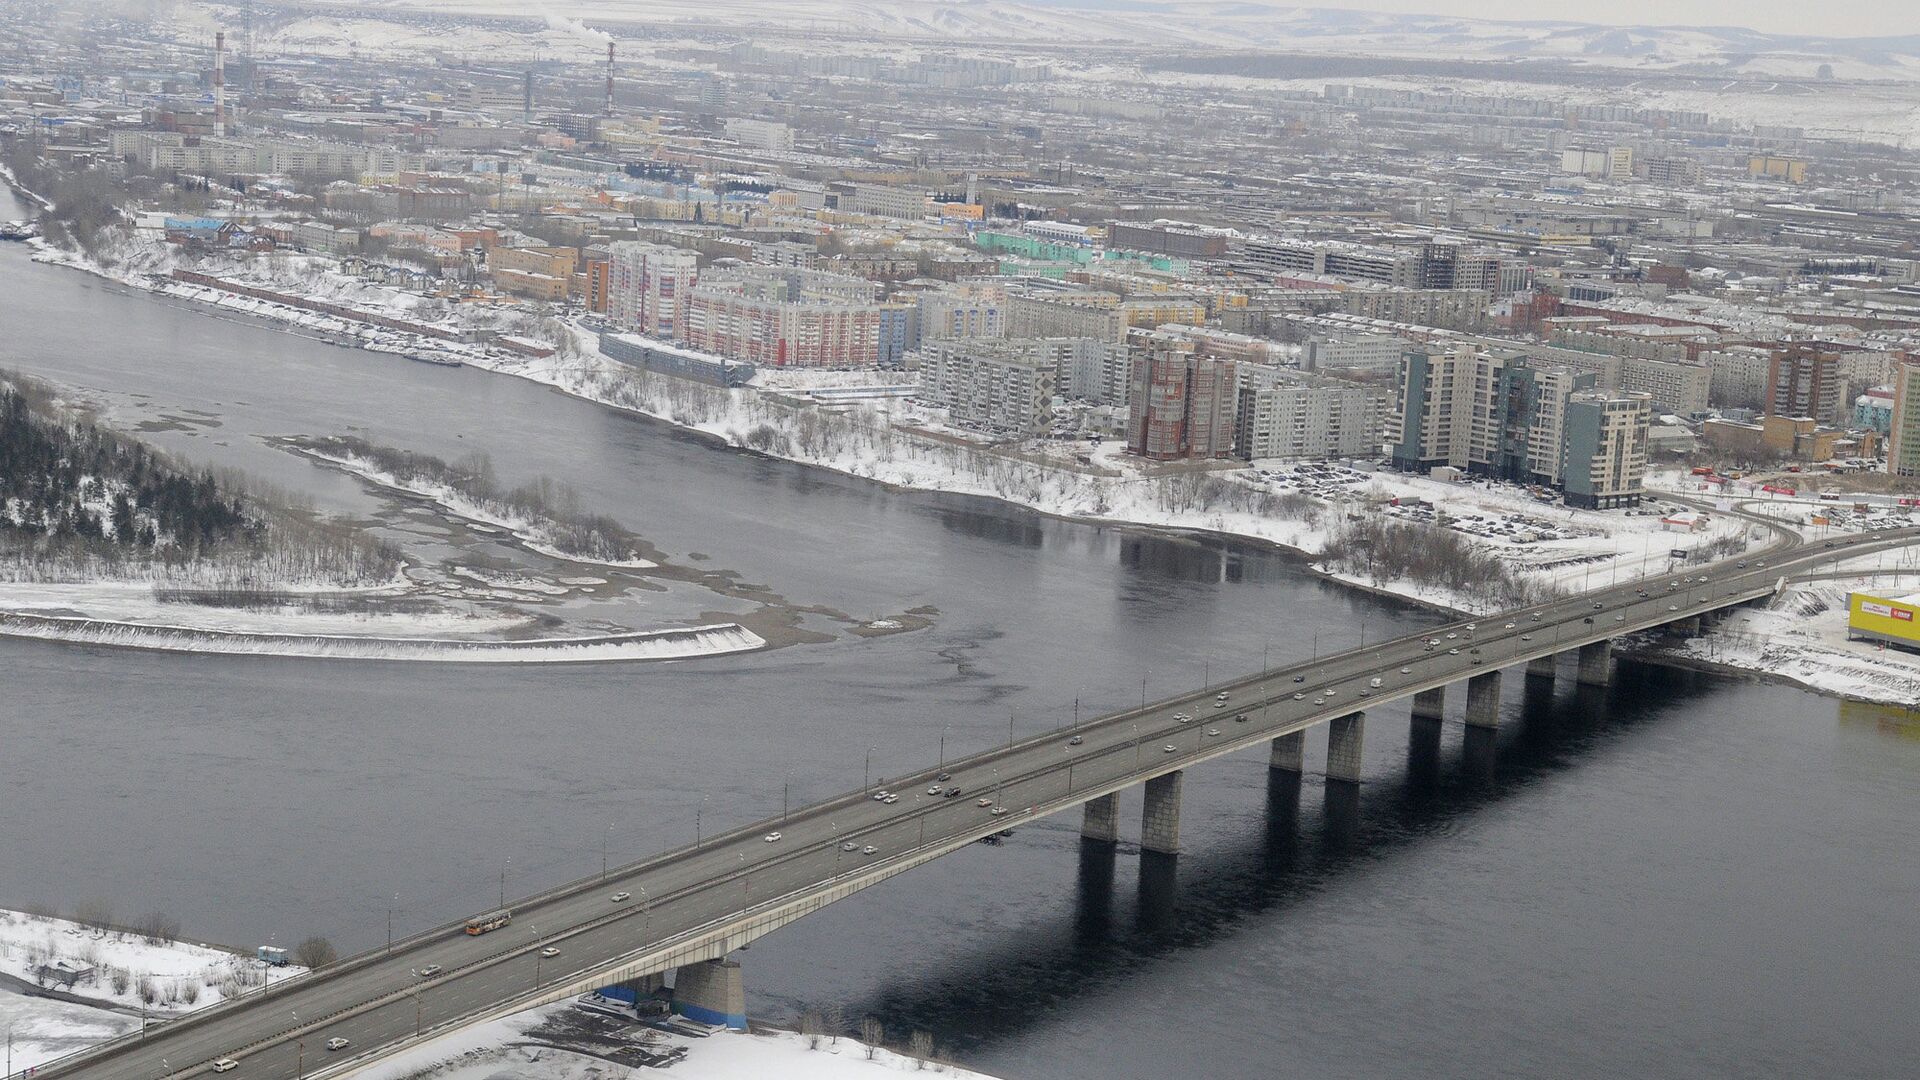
[1543,667]
[1483,700]
[712,992]
[1596,663]
[1102,821]
[1687,627]
[1288,751]
[1430,704]
[1160,819]
[1344,736]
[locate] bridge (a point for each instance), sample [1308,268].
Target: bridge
[685,910]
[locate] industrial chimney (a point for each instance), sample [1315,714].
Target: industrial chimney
[609,78]
[220,82]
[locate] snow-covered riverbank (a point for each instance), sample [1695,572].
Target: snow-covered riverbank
[115,974]
[677,644]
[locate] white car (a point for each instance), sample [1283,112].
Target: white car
[1212,732]
[1299,697]
[1406,671]
[549,952]
[223,1064]
[1170,748]
[337,1043]
[772,836]
[934,790]
[622,897]
[999,810]
[869,850]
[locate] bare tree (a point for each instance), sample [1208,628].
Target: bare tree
[95,912]
[836,1023]
[315,952]
[122,981]
[920,1047]
[148,992]
[158,926]
[873,1035]
[810,1026]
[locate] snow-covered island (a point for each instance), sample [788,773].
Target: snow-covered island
[67,985]
[106,541]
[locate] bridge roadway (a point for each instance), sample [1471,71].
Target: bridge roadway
[700,902]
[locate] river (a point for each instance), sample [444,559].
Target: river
[1684,874]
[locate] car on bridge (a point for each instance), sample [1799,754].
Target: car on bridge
[773,837]
[869,850]
[549,952]
[622,897]
[1076,740]
[337,1043]
[1170,748]
[849,846]
[224,1064]
[429,971]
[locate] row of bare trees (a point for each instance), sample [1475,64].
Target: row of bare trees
[823,1026]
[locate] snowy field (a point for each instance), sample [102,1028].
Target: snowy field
[116,973]
[512,1047]
[1803,637]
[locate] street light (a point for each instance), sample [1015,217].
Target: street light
[395,903]
[866,772]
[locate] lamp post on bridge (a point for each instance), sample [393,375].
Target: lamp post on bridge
[866,772]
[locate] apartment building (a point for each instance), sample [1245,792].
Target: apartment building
[1306,417]
[1604,462]
[1432,410]
[650,288]
[1004,388]
[1363,354]
[1183,403]
[1074,314]
[1804,380]
[965,311]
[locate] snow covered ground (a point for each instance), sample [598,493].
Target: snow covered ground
[517,1046]
[122,969]
[1803,637]
[554,1042]
[529,531]
[716,639]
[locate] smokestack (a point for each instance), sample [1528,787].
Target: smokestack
[220,82]
[609,78]
[526,105]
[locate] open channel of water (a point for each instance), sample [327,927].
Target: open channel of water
[1685,874]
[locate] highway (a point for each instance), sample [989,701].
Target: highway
[378,1002]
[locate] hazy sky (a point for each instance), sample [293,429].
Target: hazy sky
[1845,18]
